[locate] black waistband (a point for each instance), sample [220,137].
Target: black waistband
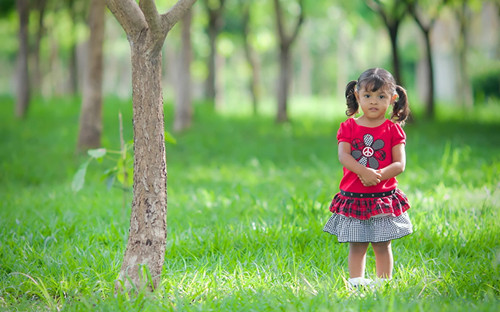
[367,195]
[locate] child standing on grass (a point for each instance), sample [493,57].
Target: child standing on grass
[369,207]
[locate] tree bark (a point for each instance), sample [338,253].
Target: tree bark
[146,31]
[91,111]
[22,83]
[183,103]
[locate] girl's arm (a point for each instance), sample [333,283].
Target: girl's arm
[398,163]
[368,176]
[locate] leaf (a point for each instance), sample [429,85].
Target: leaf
[79,178]
[169,138]
[97,153]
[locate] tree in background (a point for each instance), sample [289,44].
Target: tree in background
[462,11]
[392,13]
[22,72]
[36,81]
[183,101]
[285,43]
[251,56]
[215,11]
[91,112]
[425,14]
[146,31]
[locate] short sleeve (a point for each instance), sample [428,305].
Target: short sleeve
[345,131]
[398,135]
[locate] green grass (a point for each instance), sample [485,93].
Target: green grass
[247,200]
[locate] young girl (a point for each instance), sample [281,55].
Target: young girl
[370,208]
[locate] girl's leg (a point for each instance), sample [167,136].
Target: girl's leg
[383,259]
[357,259]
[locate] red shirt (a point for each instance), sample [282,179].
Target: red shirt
[371,147]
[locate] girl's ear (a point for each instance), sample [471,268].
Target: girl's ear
[356,94]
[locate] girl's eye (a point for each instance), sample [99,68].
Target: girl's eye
[367,95]
[382,96]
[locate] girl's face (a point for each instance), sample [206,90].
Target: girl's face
[374,104]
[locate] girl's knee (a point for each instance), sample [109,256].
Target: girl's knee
[382,246]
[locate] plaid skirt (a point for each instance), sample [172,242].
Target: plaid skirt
[373,230]
[364,206]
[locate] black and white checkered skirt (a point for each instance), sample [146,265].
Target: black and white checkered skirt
[374,230]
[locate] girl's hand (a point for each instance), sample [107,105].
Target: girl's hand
[370,177]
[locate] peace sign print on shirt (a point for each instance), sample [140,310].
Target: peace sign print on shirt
[368,152]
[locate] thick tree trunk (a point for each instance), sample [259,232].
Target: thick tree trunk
[91,111]
[147,236]
[22,83]
[283,85]
[183,103]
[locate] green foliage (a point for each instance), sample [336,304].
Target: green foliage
[247,200]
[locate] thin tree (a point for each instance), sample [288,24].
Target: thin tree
[462,11]
[183,101]
[251,56]
[91,112]
[36,81]
[215,11]
[285,43]
[146,31]
[392,13]
[22,81]
[425,15]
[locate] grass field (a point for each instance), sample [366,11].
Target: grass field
[247,200]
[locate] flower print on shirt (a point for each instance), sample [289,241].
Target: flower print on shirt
[367,151]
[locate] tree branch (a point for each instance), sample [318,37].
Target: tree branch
[299,22]
[279,20]
[128,14]
[148,7]
[170,18]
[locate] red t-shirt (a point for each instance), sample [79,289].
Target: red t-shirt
[371,147]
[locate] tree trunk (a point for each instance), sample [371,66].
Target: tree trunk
[285,43]
[146,31]
[215,24]
[37,73]
[23,84]
[183,103]
[91,111]
[283,85]
[253,61]
[465,88]
[430,107]
[147,235]
[393,34]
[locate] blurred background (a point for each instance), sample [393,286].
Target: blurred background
[444,51]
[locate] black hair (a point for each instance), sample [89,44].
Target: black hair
[374,79]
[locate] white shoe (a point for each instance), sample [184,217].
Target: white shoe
[358,282]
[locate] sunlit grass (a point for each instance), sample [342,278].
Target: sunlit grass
[247,200]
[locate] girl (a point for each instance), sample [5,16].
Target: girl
[370,208]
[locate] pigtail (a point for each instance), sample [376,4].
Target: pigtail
[352,103]
[401,109]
